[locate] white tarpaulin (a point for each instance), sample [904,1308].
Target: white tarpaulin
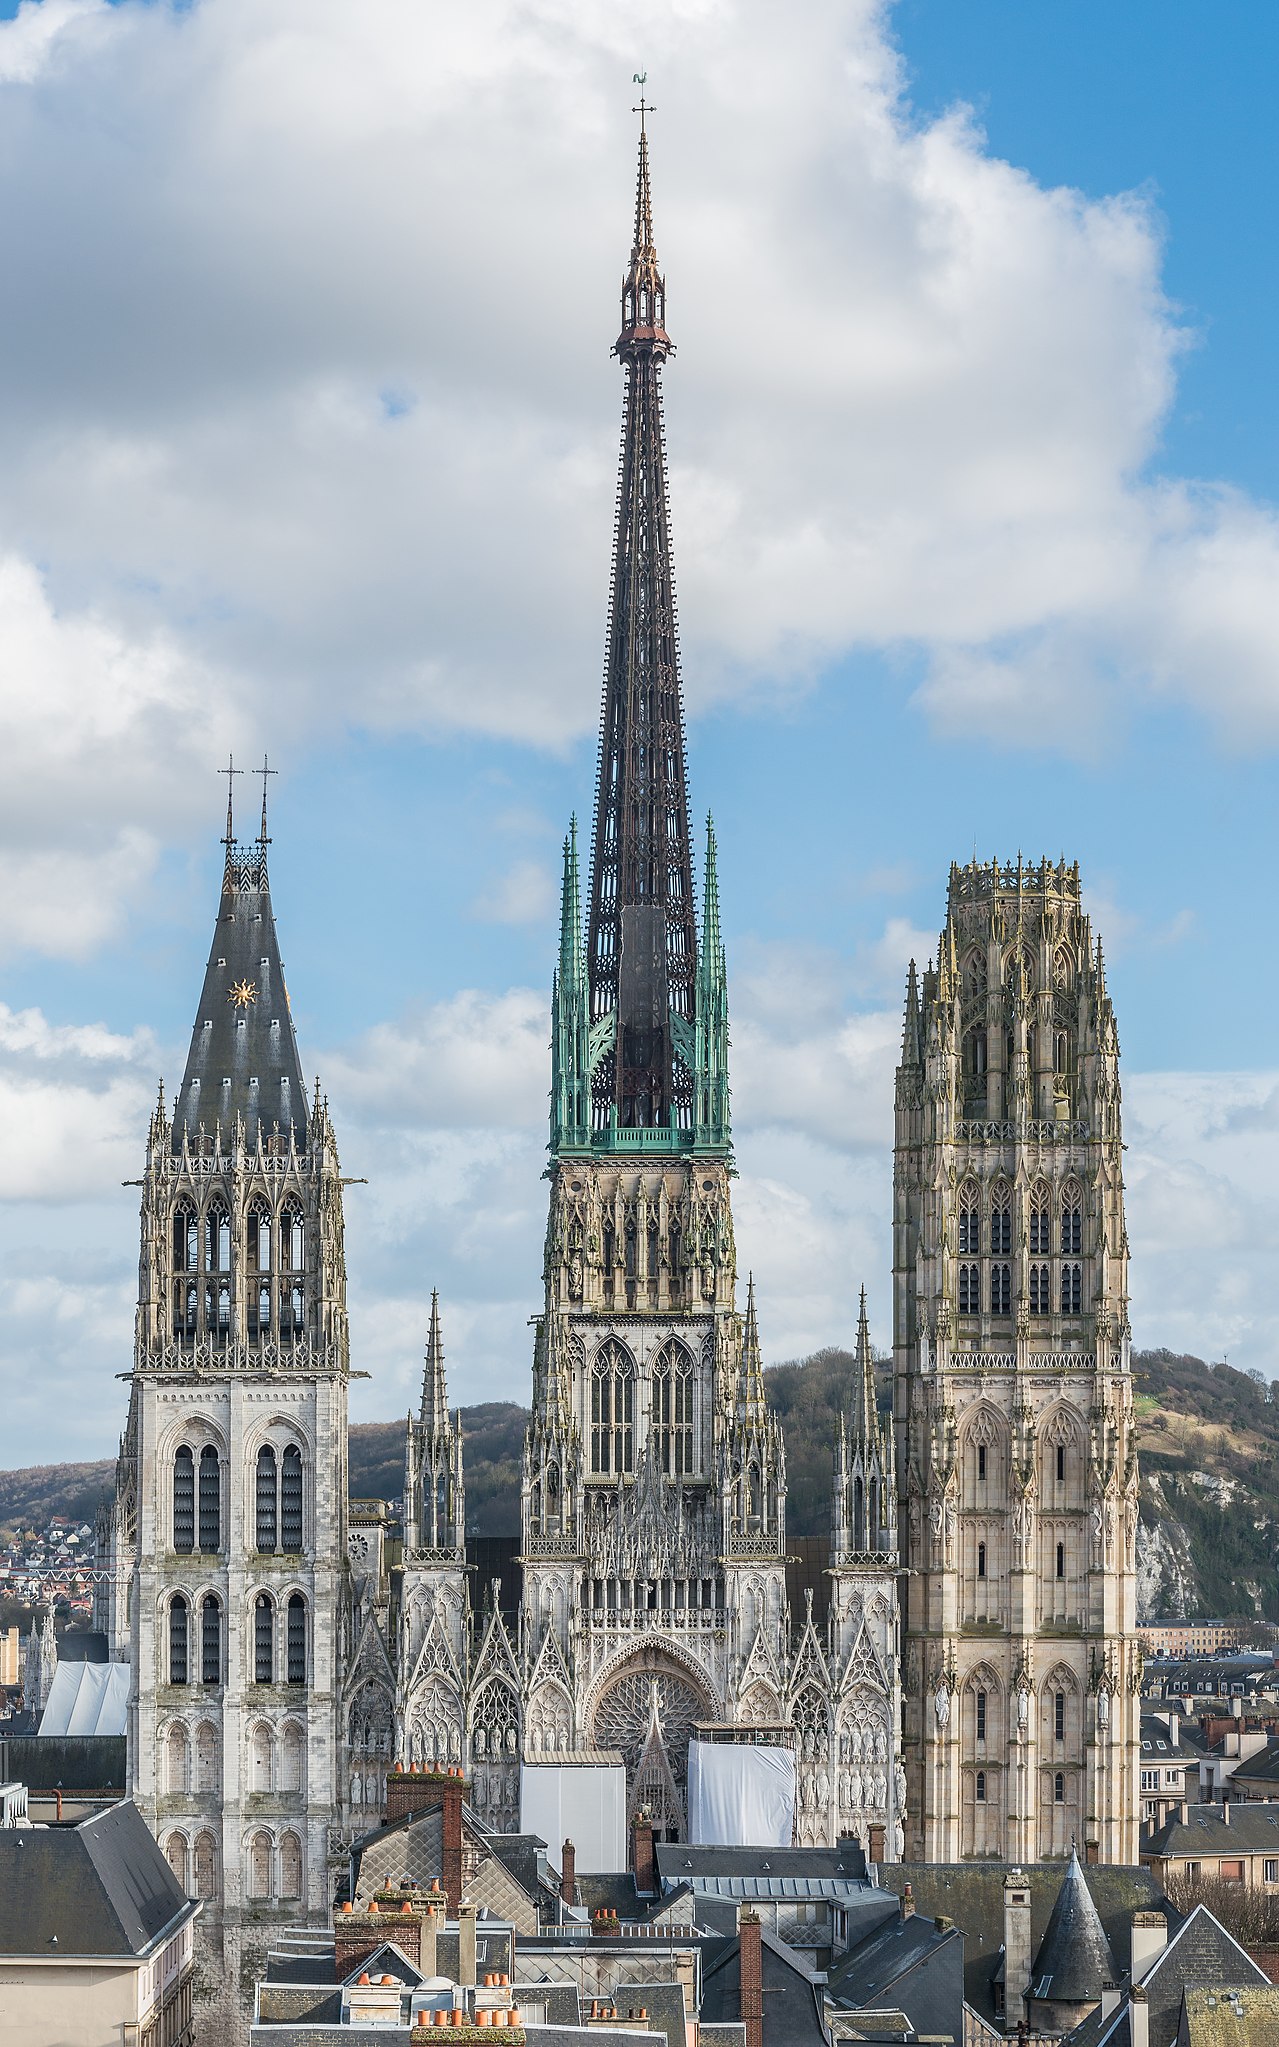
[740,1796]
[87,1698]
[584,1803]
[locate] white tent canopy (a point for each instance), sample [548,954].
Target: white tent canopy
[87,1698]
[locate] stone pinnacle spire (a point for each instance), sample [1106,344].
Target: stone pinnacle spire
[642,939]
[435,1401]
[864,1413]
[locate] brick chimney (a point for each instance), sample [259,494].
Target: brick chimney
[751,1942]
[568,1873]
[876,1853]
[357,1932]
[454,1791]
[642,1856]
[1017,1948]
[1149,1939]
[906,1902]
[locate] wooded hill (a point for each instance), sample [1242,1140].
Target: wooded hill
[1208,1439]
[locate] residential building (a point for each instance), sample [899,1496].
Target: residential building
[95,1936]
[1233,1843]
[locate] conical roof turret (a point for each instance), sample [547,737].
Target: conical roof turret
[243,1068]
[1074,1955]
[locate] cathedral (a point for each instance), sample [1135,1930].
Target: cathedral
[960,1680]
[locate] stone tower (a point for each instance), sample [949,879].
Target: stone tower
[654,1493]
[230,1520]
[1016,1463]
[868,1785]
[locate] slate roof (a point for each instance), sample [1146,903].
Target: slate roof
[711,1868]
[1251,1830]
[790,2003]
[1223,2017]
[1157,1745]
[1263,1768]
[908,1965]
[1073,1959]
[972,1894]
[1200,1952]
[244,1057]
[102,1888]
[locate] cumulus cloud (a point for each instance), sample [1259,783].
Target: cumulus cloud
[311,422]
[73,1106]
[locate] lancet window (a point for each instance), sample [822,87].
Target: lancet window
[210,1640]
[210,1499]
[179,1639]
[613,1410]
[969,1221]
[970,1289]
[673,1410]
[296,1639]
[263,1639]
[184,1499]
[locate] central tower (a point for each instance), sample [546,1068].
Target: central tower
[654,1480]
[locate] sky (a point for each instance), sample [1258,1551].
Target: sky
[308,441]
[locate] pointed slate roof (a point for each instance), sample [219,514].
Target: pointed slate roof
[1074,1955]
[244,1058]
[435,1399]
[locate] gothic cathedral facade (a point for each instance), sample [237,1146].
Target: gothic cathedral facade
[289,1646]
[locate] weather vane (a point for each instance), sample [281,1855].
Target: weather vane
[640,78]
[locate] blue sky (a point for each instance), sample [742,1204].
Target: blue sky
[307,431]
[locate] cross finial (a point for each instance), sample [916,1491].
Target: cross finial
[645,107]
[229,770]
[265,770]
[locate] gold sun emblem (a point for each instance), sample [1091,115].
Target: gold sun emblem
[242,994]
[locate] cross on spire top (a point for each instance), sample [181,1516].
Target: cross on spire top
[229,770]
[265,770]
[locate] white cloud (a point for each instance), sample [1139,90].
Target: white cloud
[312,421]
[525,894]
[74,1101]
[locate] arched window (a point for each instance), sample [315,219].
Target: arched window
[1072,1223]
[292,1753]
[262,1756]
[1072,1288]
[1059,1716]
[290,1866]
[263,1639]
[970,1289]
[217,1238]
[1061,1464]
[260,1866]
[185,1240]
[1001,1222]
[185,1301]
[178,1761]
[1059,1788]
[1001,1290]
[981,1568]
[210,1640]
[1061,1560]
[206,1866]
[259,1240]
[969,1221]
[175,1854]
[1040,1223]
[981,1462]
[184,1499]
[859,1515]
[267,1521]
[291,1499]
[207,1757]
[673,1409]
[1040,1291]
[975,1053]
[296,1643]
[981,1716]
[179,1638]
[613,1410]
[981,1787]
[974,974]
[292,1246]
[210,1499]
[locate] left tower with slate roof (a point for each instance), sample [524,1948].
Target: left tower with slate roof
[227,1540]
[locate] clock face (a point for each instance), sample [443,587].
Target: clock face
[358,1546]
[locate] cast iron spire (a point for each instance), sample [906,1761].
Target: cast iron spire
[641,939]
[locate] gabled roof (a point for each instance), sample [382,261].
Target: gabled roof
[908,1964]
[1250,1830]
[1074,1958]
[102,1888]
[1200,1952]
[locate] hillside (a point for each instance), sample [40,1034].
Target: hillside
[1208,1438]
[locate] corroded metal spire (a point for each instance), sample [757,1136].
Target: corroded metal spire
[642,943]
